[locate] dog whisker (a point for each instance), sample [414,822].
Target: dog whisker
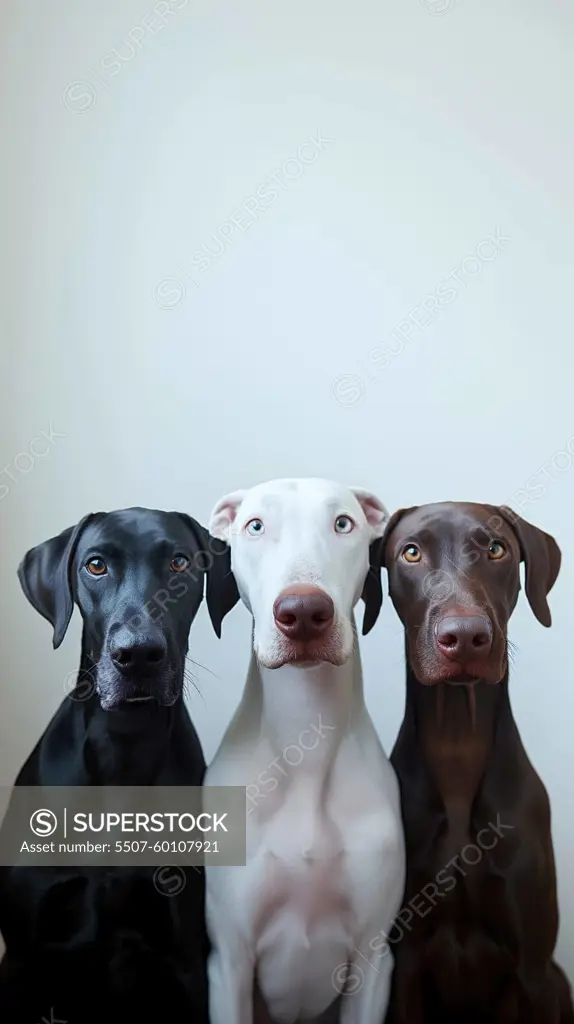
[511,652]
[188,678]
[203,667]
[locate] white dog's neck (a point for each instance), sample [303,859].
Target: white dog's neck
[306,712]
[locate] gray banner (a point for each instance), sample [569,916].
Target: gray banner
[113,826]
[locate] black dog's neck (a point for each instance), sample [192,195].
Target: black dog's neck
[124,746]
[457,728]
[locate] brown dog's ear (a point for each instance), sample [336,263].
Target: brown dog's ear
[222,592]
[395,518]
[373,591]
[45,577]
[541,556]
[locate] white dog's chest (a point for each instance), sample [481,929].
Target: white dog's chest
[300,859]
[310,889]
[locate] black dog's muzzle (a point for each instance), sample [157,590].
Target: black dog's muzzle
[138,666]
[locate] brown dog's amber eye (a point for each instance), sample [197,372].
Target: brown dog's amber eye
[496,550]
[411,553]
[96,567]
[179,563]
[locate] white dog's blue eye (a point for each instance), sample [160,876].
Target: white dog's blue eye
[255,527]
[343,524]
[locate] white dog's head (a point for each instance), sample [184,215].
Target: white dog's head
[300,562]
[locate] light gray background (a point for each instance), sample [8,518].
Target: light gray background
[448,121]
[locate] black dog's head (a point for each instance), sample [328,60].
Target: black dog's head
[454,579]
[137,576]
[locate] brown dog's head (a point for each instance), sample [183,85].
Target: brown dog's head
[454,579]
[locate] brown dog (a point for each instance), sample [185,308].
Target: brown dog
[474,942]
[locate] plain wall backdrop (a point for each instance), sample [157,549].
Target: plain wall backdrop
[245,240]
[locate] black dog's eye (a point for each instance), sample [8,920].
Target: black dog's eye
[179,563]
[411,553]
[496,550]
[96,567]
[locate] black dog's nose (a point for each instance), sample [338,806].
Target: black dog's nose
[142,652]
[464,638]
[303,612]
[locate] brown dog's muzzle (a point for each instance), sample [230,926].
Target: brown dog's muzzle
[461,646]
[466,639]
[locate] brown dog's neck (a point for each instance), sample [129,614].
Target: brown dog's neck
[456,727]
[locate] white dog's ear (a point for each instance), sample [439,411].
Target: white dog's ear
[223,515]
[376,513]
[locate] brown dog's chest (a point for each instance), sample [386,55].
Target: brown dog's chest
[461,875]
[462,930]
[461,852]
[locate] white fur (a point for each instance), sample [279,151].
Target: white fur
[325,849]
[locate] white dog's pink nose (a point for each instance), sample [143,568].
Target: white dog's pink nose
[303,613]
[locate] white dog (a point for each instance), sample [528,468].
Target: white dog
[325,848]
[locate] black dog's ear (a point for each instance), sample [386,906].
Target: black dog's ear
[542,558]
[222,592]
[201,537]
[45,578]
[213,558]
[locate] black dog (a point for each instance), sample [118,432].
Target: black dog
[475,940]
[106,944]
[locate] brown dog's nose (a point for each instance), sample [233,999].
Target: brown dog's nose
[303,613]
[464,638]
